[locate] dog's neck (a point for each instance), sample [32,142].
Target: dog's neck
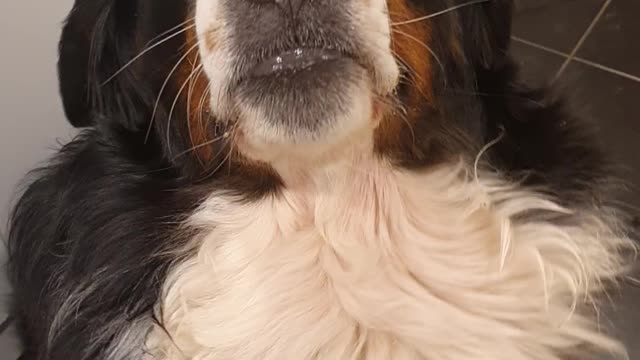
[359,244]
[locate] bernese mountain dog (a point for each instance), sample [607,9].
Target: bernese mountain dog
[312,179]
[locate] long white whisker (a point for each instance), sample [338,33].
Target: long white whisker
[193,84]
[206,143]
[201,105]
[175,101]
[169,31]
[221,164]
[130,62]
[436,58]
[413,76]
[164,85]
[442,12]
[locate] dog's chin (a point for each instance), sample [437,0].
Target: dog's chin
[305,114]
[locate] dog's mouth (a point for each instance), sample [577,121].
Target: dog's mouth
[301,95]
[299,67]
[296,60]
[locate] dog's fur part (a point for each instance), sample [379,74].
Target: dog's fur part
[374,263]
[105,231]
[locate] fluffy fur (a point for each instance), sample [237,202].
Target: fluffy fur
[373,263]
[410,199]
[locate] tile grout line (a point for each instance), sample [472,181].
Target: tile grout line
[576,58]
[583,38]
[540,47]
[607,69]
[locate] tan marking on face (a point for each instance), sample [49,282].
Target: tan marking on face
[408,43]
[194,83]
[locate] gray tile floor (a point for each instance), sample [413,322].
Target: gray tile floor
[591,48]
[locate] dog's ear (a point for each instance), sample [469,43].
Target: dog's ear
[96,40]
[73,68]
[487,32]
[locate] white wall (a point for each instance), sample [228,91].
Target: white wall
[31,117]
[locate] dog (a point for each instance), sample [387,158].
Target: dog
[312,179]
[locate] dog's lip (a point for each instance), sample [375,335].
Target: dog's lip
[296,59]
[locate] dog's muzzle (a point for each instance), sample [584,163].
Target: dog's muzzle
[296,71]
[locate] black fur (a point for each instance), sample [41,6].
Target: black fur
[78,229]
[91,239]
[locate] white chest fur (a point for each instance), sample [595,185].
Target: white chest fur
[374,264]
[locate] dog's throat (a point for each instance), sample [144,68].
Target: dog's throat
[378,258]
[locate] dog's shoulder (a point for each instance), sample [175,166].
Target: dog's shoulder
[86,235]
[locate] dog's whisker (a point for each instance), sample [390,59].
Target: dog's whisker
[190,120]
[413,76]
[222,162]
[442,12]
[407,72]
[142,53]
[192,85]
[163,87]
[400,111]
[202,108]
[458,92]
[426,47]
[204,144]
[167,32]
[175,101]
